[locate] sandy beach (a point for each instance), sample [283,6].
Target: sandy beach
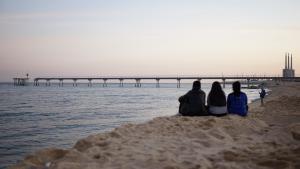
[269,137]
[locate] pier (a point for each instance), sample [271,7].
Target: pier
[157,79]
[21,81]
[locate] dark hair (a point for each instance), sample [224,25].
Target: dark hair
[236,86]
[196,85]
[216,96]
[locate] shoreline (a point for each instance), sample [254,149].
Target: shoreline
[257,141]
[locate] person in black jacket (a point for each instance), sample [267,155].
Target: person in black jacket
[193,102]
[262,95]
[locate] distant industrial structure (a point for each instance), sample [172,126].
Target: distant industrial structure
[288,70]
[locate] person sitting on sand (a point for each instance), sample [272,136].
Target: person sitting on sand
[237,101]
[193,102]
[216,100]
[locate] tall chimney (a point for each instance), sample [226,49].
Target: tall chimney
[291,61]
[285,61]
[288,63]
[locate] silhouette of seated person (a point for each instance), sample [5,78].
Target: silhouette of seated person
[216,100]
[193,102]
[237,101]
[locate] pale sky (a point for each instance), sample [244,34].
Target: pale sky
[153,37]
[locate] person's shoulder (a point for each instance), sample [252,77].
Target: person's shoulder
[201,91]
[230,94]
[189,92]
[244,95]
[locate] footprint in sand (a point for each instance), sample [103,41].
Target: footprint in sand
[205,143]
[208,124]
[103,144]
[274,164]
[233,156]
[217,135]
[295,130]
[171,167]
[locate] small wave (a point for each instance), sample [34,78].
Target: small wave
[71,126]
[20,107]
[10,114]
[22,103]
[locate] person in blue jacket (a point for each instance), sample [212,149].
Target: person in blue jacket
[237,101]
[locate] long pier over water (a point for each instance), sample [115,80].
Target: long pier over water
[157,79]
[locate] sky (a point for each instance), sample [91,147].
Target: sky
[64,38]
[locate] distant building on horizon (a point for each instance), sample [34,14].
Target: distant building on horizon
[288,70]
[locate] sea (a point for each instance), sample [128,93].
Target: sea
[37,117]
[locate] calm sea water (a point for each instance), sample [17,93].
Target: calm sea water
[32,118]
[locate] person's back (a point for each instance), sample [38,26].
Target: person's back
[237,102]
[216,100]
[193,103]
[262,95]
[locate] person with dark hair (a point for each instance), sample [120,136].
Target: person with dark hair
[237,101]
[262,95]
[216,100]
[193,102]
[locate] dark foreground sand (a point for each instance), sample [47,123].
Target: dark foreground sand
[268,138]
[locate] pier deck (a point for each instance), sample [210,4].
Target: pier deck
[138,79]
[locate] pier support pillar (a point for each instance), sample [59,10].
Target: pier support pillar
[178,83]
[138,83]
[47,82]
[277,81]
[61,83]
[74,82]
[104,83]
[121,82]
[224,83]
[248,83]
[90,83]
[36,83]
[157,83]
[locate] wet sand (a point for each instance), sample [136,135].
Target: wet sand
[269,137]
